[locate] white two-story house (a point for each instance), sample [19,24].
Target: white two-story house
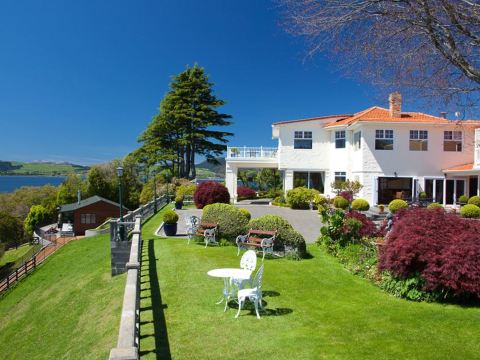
[392,153]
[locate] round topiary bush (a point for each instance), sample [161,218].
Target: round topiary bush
[463,199]
[319,199]
[300,197]
[286,235]
[244,192]
[170,217]
[470,211]
[435,206]
[340,202]
[474,200]
[360,205]
[246,213]
[210,192]
[396,205]
[230,219]
[422,195]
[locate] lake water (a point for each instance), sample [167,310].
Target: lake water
[11,183]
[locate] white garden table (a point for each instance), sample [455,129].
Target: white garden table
[227,274]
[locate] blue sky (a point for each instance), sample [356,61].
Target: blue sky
[80,80]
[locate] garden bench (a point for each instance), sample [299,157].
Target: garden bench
[208,231]
[259,240]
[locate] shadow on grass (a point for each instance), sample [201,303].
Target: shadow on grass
[162,345]
[248,305]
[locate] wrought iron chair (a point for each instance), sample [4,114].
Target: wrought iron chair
[247,262]
[192,226]
[254,294]
[209,236]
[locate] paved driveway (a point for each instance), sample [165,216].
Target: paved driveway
[306,222]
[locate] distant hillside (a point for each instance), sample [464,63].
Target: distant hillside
[209,169]
[40,168]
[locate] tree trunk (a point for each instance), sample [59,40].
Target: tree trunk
[192,161]
[187,161]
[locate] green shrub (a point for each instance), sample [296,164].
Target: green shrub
[422,195]
[410,288]
[435,206]
[396,205]
[463,199]
[37,216]
[360,259]
[340,202]
[230,219]
[186,190]
[178,198]
[246,213]
[286,235]
[360,205]
[300,197]
[470,211]
[319,199]
[170,217]
[474,200]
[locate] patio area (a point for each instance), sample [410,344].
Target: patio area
[314,309]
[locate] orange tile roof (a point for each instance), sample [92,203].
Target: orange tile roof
[378,114]
[464,167]
[327,117]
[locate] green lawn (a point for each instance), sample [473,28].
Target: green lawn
[315,309]
[69,308]
[20,253]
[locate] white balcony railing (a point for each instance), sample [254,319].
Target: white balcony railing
[258,153]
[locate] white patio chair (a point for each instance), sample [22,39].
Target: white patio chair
[247,262]
[209,237]
[192,226]
[254,294]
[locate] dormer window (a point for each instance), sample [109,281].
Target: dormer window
[302,140]
[340,139]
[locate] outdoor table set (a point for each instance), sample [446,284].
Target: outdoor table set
[237,278]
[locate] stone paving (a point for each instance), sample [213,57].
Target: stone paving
[306,222]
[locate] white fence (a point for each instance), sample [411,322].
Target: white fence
[251,152]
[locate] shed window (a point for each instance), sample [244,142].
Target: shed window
[87,218]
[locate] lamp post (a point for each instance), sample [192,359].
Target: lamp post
[120,175]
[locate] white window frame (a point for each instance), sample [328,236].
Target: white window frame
[453,136]
[303,135]
[357,140]
[342,174]
[381,134]
[340,135]
[418,136]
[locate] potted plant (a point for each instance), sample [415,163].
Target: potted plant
[178,202]
[170,219]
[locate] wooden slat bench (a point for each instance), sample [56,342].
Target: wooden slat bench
[259,240]
[208,231]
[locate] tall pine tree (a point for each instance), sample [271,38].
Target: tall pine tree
[186,125]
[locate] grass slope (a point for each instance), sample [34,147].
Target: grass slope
[68,309]
[40,168]
[315,310]
[22,253]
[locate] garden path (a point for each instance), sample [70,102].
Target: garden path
[306,222]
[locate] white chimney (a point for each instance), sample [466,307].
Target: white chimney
[395,101]
[79,196]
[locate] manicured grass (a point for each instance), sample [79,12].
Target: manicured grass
[19,253]
[315,310]
[70,307]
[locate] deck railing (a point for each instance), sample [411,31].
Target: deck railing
[260,153]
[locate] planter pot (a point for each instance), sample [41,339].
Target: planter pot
[170,229]
[178,205]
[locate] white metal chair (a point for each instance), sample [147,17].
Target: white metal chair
[209,236]
[254,294]
[192,226]
[247,262]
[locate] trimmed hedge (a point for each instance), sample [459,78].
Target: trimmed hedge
[360,205]
[300,197]
[246,213]
[286,234]
[210,192]
[170,217]
[474,200]
[470,211]
[396,205]
[185,190]
[230,219]
[340,202]
[463,199]
[435,206]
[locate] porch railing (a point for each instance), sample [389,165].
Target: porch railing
[260,153]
